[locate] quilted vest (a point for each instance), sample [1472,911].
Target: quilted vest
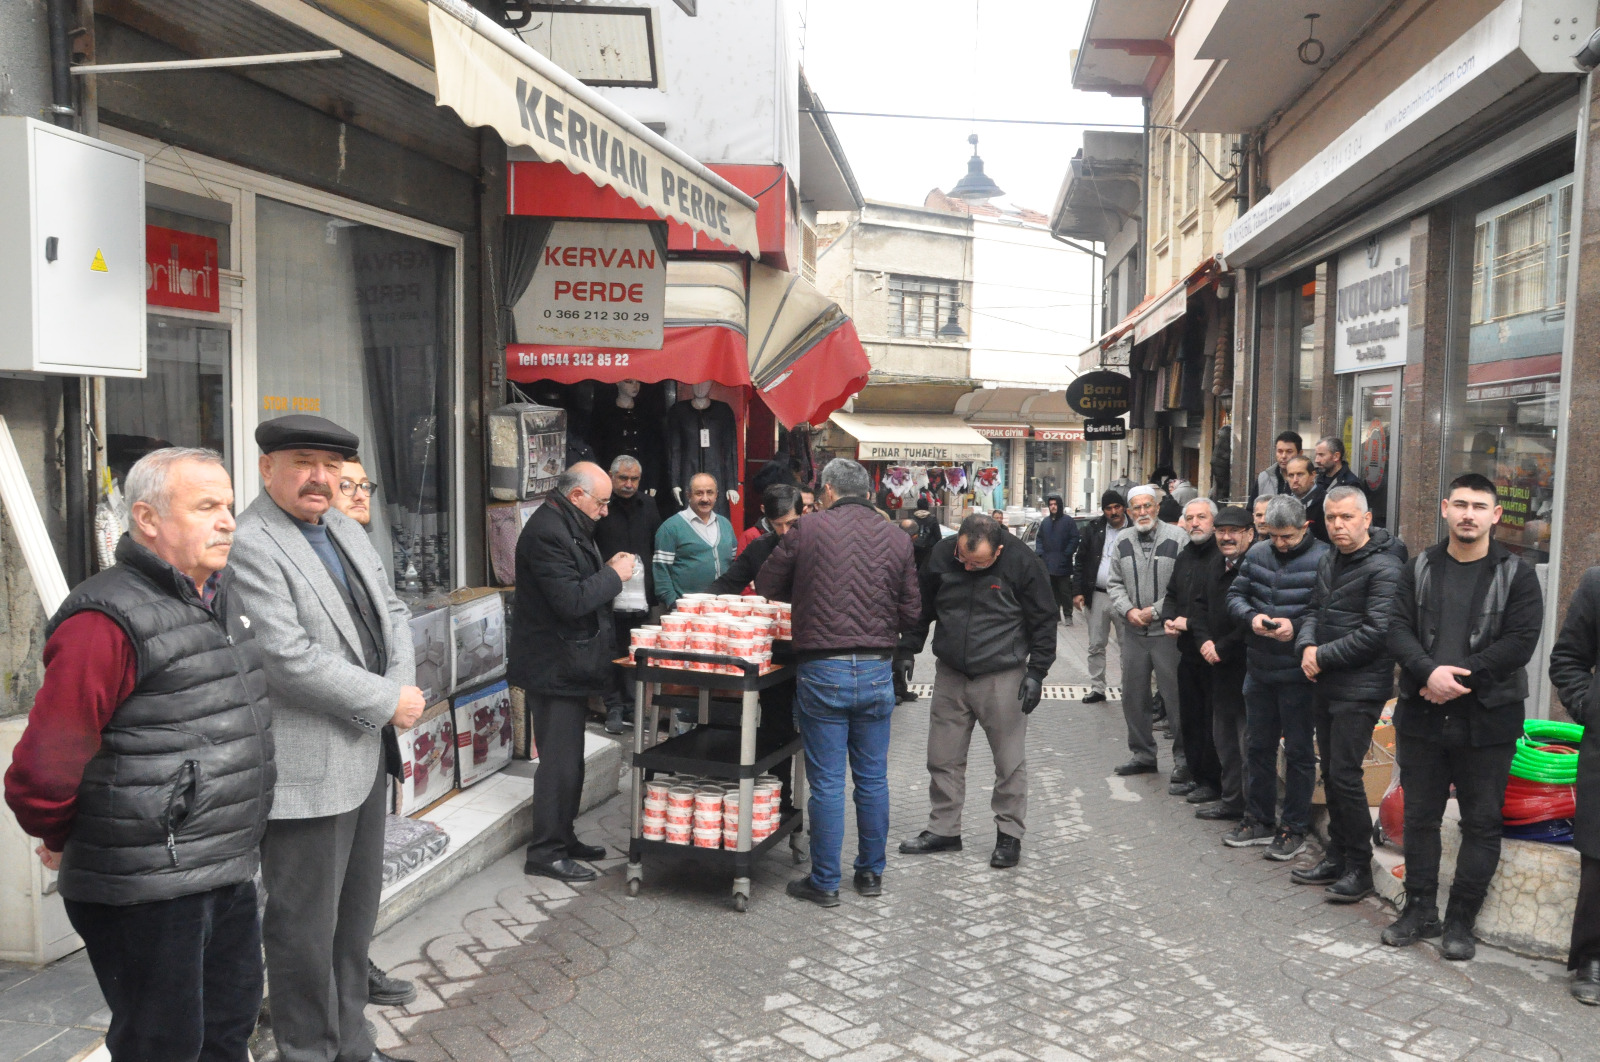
[176,799]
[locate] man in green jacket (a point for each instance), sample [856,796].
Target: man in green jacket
[694,547]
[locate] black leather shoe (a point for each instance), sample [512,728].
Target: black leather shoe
[868,883]
[579,850]
[1219,813]
[1586,983]
[1182,789]
[1202,794]
[1134,767]
[617,721]
[379,1056]
[1094,697]
[386,991]
[925,842]
[802,889]
[561,870]
[1326,872]
[1354,884]
[1007,851]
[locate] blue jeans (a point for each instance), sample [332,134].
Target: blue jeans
[844,708]
[1272,711]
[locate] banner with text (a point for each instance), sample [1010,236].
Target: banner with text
[597,284]
[1370,306]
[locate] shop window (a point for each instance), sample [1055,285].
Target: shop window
[1047,470]
[1191,193]
[1504,382]
[1297,309]
[186,399]
[919,305]
[357,324]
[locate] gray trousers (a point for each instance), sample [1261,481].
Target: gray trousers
[1103,623]
[991,702]
[323,879]
[1142,656]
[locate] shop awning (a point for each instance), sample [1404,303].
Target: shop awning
[1158,311]
[491,78]
[912,439]
[805,357]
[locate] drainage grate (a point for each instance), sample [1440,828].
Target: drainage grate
[1051,692]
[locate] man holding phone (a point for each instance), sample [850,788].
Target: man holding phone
[1271,594]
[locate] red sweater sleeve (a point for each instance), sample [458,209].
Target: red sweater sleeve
[89,669]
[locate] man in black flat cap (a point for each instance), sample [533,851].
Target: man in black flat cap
[335,644]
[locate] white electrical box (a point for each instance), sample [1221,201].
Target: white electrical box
[72,268]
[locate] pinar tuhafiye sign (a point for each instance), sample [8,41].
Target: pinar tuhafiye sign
[597,284]
[923,452]
[1100,395]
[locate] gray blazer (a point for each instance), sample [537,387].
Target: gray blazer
[327,709]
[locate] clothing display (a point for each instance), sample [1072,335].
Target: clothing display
[703,440]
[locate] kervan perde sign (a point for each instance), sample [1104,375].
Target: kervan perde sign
[596,284]
[1371,303]
[1100,395]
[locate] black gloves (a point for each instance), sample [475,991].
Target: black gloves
[1030,693]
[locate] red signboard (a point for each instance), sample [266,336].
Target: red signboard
[180,270]
[1059,434]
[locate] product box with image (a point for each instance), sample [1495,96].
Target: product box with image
[483,732]
[435,653]
[427,760]
[478,630]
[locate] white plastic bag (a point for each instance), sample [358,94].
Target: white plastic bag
[632,598]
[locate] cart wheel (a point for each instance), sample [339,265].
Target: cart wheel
[633,887]
[741,902]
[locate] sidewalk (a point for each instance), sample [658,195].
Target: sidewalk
[50,1013]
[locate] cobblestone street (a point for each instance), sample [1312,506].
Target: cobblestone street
[1128,931]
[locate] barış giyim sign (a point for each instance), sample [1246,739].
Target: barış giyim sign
[1371,303]
[597,284]
[1100,395]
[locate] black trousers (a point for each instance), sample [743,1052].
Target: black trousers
[1585,945]
[323,879]
[777,726]
[182,977]
[558,782]
[1344,734]
[1194,719]
[1227,731]
[1428,767]
[1061,587]
[621,695]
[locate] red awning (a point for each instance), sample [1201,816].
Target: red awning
[694,352]
[821,380]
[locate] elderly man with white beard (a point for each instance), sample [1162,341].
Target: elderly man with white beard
[1140,572]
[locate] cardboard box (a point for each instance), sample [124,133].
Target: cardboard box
[1376,768]
[427,760]
[483,732]
[435,653]
[478,632]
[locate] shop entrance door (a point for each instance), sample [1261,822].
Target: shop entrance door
[1374,430]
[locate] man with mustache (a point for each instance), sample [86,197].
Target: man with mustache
[1183,605]
[336,648]
[1467,619]
[1141,568]
[146,771]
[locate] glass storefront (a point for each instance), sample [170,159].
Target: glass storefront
[1048,471]
[1504,379]
[1300,338]
[356,324]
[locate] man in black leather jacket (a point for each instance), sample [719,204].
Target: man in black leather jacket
[990,595]
[1343,644]
[1573,660]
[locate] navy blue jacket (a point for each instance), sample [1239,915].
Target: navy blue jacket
[1057,541]
[1279,585]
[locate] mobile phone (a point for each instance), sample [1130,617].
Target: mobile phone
[1270,624]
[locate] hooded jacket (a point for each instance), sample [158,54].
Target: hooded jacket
[562,637]
[1349,620]
[1140,582]
[1057,540]
[1277,585]
[995,619]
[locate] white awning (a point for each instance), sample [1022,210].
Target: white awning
[912,438]
[491,78]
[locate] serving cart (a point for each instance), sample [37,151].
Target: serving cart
[723,743]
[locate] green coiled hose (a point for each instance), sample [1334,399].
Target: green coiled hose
[1534,763]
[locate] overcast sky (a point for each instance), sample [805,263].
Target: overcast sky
[933,57]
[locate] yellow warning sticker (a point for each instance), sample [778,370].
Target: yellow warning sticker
[99,263]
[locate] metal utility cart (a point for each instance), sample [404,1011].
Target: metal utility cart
[723,743]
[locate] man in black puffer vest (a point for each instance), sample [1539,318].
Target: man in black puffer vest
[147,771]
[1344,650]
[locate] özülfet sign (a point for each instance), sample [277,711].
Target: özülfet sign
[1100,395]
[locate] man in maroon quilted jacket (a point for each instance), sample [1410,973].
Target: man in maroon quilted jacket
[853,582]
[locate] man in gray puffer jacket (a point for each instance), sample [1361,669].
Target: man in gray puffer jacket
[1141,567]
[1271,595]
[1344,650]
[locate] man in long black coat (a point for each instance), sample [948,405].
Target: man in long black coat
[1573,661]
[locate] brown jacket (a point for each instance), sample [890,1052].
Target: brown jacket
[851,577]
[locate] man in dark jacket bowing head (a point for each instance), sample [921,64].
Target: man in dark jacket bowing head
[562,643]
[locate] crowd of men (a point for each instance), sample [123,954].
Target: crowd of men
[224,699]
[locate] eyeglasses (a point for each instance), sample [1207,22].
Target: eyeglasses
[604,503]
[349,487]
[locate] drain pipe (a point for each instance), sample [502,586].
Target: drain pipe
[74,471]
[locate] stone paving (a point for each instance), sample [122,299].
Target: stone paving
[1127,932]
